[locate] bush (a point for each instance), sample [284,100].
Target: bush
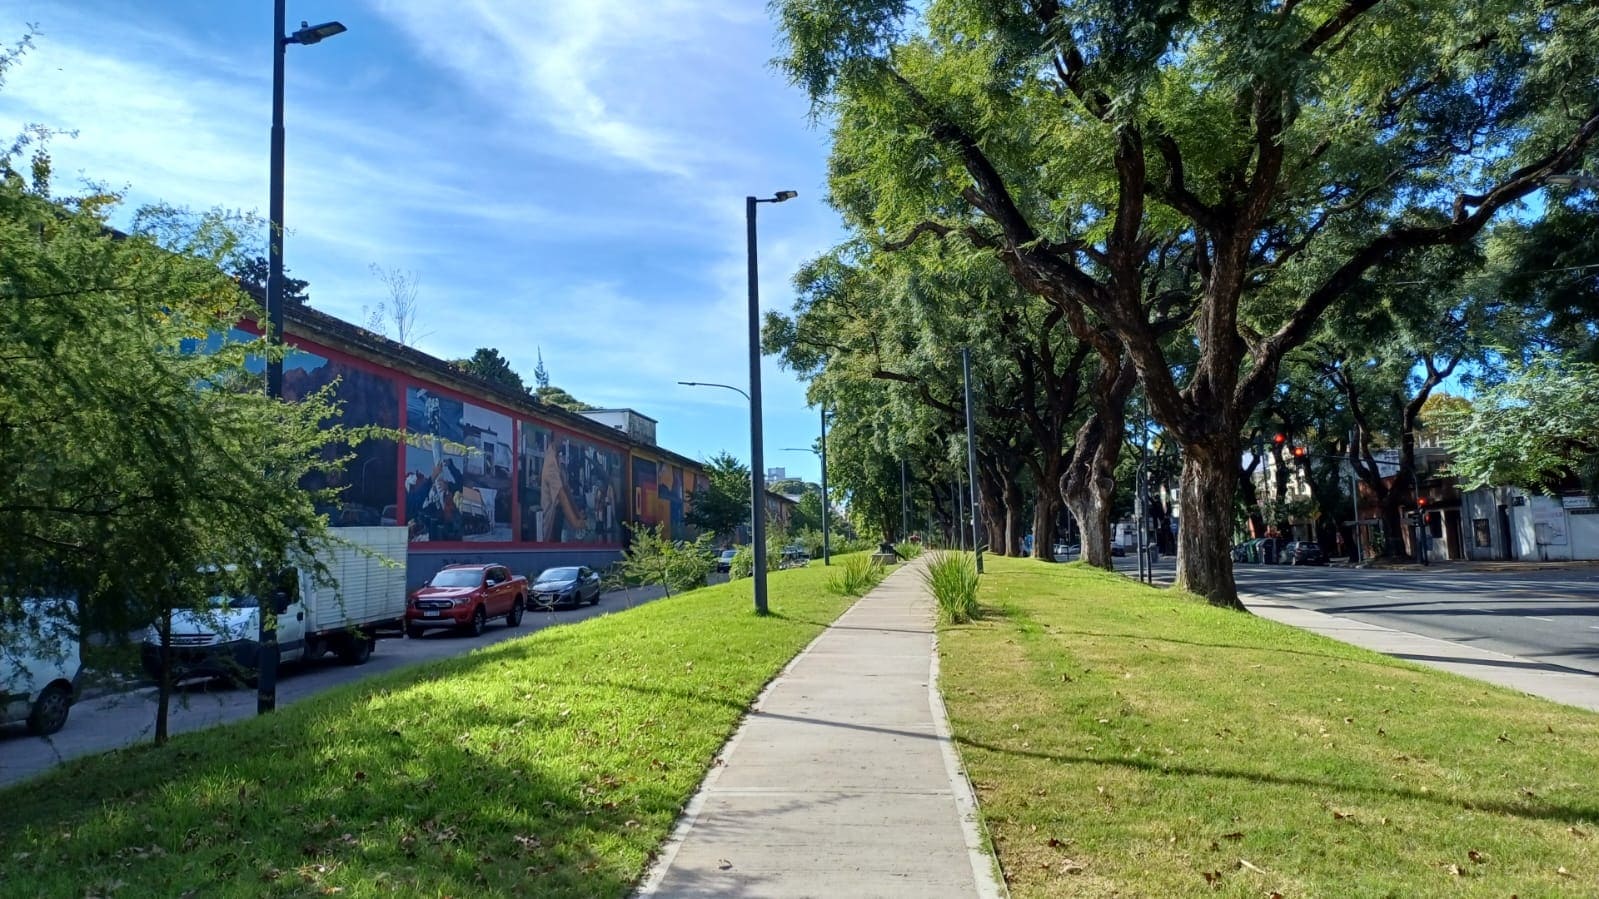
[679,566]
[743,564]
[952,576]
[855,577]
[908,549]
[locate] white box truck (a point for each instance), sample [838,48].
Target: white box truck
[39,664]
[365,600]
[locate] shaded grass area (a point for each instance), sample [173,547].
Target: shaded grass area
[1128,741]
[552,765]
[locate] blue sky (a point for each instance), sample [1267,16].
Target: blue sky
[559,174]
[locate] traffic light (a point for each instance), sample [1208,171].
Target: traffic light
[1279,439]
[1299,452]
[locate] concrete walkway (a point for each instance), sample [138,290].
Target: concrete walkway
[842,781]
[1565,685]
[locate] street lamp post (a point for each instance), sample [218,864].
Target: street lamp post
[971,457]
[826,510]
[266,696]
[757,489]
[757,463]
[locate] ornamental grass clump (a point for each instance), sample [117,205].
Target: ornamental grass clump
[855,577]
[952,577]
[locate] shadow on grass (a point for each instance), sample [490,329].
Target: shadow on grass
[1535,810]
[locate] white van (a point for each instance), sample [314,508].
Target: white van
[39,665]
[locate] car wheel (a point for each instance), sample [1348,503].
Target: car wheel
[414,632]
[514,617]
[358,651]
[480,622]
[596,600]
[49,712]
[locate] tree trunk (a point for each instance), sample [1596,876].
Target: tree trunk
[1204,557]
[1046,507]
[163,689]
[1013,517]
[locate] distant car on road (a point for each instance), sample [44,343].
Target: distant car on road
[467,596]
[1304,552]
[569,585]
[724,562]
[1116,549]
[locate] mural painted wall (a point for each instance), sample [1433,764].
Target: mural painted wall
[571,488]
[457,469]
[661,494]
[468,473]
[367,482]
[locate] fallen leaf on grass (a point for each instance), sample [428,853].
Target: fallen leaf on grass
[1339,816]
[1562,871]
[1505,739]
[1235,835]
[1454,870]
[1212,877]
[1053,843]
[1576,831]
[724,864]
[1245,863]
[1476,856]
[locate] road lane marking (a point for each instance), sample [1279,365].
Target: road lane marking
[1536,618]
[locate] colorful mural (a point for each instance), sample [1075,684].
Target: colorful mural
[457,469]
[571,489]
[661,495]
[367,493]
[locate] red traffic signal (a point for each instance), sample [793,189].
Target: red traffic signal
[1421,501]
[1299,452]
[1279,439]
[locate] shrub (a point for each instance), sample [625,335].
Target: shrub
[908,549]
[952,576]
[855,577]
[654,559]
[743,564]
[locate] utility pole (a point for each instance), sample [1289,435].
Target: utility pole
[904,508]
[1354,493]
[827,511]
[971,456]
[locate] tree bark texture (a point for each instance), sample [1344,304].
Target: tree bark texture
[1204,557]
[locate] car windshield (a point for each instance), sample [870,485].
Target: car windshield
[457,577]
[222,592]
[555,575]
[729,553]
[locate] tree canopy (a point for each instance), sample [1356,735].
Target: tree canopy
[1244,166]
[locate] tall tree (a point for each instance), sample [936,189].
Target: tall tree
[488,364]
[1283,150]
[132,460]
[251,275]
[725,504]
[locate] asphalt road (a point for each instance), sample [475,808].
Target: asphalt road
[115,720]
[1546,615]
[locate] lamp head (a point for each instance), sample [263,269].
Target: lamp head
[785,195]
[312,34]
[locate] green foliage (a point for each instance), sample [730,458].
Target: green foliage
[743,564]
[488,364]
[131,459]
[1535,430]
[908,549]
[725,505]
[555,396]
[855,575]
[654,558]
[952,576]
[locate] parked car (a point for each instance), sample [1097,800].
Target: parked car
[467,596]
[1116,549]
[39,673]
[569,585]
[794,557]
[724,561]
[1303,552]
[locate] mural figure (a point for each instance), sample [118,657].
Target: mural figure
[458,479]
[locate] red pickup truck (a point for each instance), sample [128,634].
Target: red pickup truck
[467,596]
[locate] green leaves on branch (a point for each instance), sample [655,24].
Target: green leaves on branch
[1535,430]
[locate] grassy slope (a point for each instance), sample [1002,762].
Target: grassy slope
[1128,742]
[552,765]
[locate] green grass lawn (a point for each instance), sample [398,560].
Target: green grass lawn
[1126,741]
[552,765]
